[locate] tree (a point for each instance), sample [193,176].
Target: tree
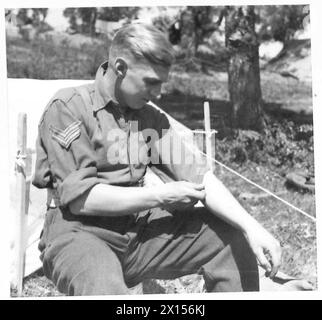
[71,14]
[281,22]
[191,29]
[117,13]
[39,15]
[243,68]
[83,20]
[86,16]
[197,23]
[242,42]
[31,22]
[34,16]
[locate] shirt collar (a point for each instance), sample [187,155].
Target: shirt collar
[101,96]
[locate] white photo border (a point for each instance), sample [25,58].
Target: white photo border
[316,28]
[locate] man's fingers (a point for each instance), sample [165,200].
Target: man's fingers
[272,274]
[197,191]
[199,187]
[276,256]
[196,186]
[198,195]
[263,261]
[275,267]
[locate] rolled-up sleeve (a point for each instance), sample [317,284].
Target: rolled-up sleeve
[179,156]
[64,140]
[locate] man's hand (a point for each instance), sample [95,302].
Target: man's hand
[266,248]
[180,194]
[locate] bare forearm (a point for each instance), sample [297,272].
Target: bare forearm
[107,200]
[223,204]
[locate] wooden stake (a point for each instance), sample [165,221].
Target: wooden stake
[22,200]
[208,135]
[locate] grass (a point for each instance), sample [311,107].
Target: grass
[37,285]
[265,161]
[42,59]
[296,231]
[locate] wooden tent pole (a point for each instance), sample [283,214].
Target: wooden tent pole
[208,135]
[22,200]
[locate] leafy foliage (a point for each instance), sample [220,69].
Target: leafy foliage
[83,20]
[118,13]
[281,22]
[282,147]
[37,15]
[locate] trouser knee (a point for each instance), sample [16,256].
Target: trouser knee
[89,282]
[82,264]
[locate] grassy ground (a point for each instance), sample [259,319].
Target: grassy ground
[265,160]
[42,59]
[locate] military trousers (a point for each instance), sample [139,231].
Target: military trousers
[101,256]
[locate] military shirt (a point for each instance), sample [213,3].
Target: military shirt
[82,144]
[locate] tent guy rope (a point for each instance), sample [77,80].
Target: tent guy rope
[208,134]
[260,187]
[212,160]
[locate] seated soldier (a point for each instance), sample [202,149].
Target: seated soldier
[104,230]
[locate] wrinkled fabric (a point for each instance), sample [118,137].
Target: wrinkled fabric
[75,152]
[86,259]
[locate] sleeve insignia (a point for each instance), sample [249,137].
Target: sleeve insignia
[67,136]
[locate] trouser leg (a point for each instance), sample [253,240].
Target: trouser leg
[235,267]
[169,246]
[79,263]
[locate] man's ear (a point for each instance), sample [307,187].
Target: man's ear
[120,67]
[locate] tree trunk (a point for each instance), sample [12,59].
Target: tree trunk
[243,68]
[92,23]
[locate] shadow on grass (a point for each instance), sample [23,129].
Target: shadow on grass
[188,109]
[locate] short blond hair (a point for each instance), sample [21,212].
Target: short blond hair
[142,41]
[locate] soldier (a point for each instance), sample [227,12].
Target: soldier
[104,231]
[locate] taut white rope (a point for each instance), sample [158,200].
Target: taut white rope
[238,174]
[260,187]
